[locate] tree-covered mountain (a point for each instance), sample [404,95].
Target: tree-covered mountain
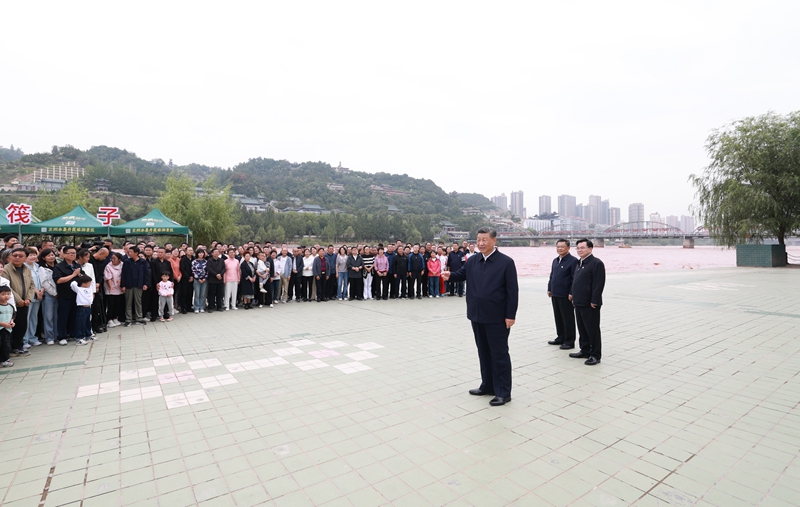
[362,205]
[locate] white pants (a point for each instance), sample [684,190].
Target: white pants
[230,295]
[368,286]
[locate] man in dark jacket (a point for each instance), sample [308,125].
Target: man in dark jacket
[63,273]
[216,281]
[558,289]
[492,307]
[135,280]
[185,286]
[400,275]
[416,268]
[454,261]
[330,283]
[587,297]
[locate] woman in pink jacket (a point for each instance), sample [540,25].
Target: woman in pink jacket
[232,277]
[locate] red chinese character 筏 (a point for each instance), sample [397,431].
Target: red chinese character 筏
[18,213]
[107,214]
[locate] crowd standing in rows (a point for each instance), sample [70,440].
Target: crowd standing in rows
[70,294]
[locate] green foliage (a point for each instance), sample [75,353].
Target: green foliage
[209,217]
[477,200]
[751,189]
[47,205]
[10,154]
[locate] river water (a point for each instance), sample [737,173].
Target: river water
[536,261]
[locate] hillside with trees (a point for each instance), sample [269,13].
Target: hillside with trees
[358,206]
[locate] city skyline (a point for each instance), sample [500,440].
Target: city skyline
[595,209]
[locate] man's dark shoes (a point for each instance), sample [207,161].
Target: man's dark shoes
[579,355]
[567,346]
[479,392]
[592,361]
[555,342]
[127,323]
[497,401]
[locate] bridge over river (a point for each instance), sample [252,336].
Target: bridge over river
[627,230]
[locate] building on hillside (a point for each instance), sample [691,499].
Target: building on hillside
[386,190]
[341,169]
[101,184]
[336,187]
[313,208]
[450,230]
[253,204]
[471,210]
[393,209]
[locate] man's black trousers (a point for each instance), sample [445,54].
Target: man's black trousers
[492,343]
[589,329]
[564,314]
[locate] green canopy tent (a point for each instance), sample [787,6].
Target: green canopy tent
[77,222]
[154,223]
[6,228]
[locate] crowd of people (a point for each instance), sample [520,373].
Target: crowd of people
[72,293]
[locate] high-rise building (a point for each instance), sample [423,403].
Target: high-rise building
[517,204]
[501,201]
[614,216]
[544,204]
[636,212]
[595,204]
[604,218]
[673,221]
[687,224]
[566,205]
[656,217]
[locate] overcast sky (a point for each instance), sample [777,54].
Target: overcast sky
[568,97]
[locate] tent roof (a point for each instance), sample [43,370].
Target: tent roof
[152,224]
[77,222]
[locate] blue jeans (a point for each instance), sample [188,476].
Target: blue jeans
[83,322]
[275,285]
[433,286]
[49,311]
[200,295]
[341,285]
[33,321]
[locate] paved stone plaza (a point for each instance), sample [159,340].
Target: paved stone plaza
[366,403]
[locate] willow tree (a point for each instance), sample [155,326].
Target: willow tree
[210,216]
[751,189]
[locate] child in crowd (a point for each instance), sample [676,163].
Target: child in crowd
[165,291]
[434,270]
[6,325]
[83,287]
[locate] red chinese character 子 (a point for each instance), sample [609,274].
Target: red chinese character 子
[107,214]
[18,213]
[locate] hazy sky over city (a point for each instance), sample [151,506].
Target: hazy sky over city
[570,97]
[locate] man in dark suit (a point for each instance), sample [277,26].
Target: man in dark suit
[558,289]
[492,302]
[587,298]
